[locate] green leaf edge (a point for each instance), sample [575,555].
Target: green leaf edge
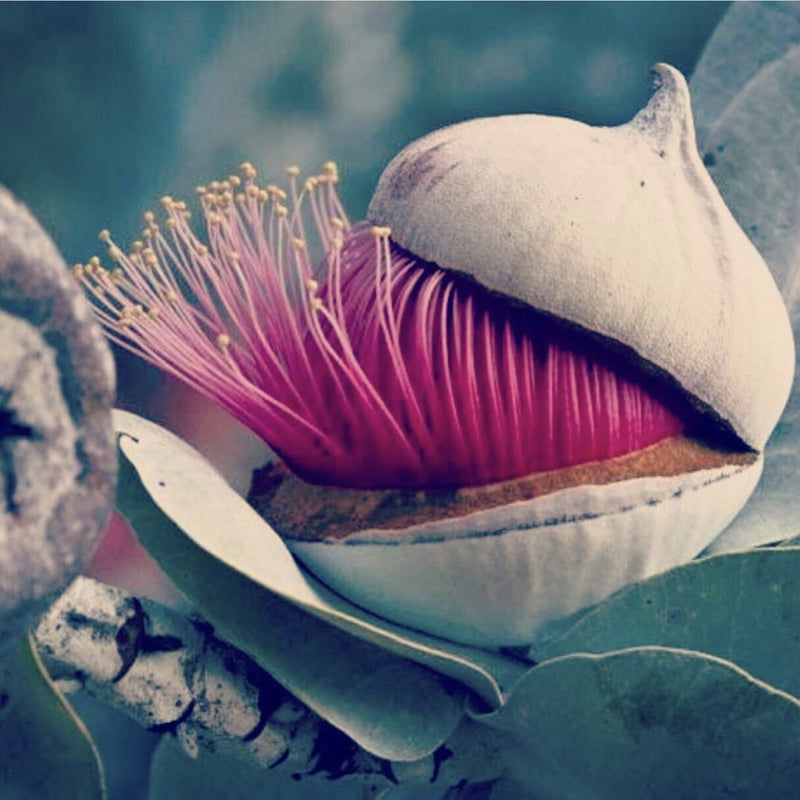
[49,702]
[544,774]
[141,502]
[704,583]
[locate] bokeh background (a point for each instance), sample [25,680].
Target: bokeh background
[104,107]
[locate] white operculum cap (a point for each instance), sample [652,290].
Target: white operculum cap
[618,230]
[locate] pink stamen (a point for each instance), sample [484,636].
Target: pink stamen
[374,370]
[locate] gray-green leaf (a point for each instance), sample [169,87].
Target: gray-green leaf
[648,723]
[239,574]
[743,607]
[45,750]
[750,36]
[746,94]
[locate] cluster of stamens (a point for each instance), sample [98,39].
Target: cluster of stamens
[367,367]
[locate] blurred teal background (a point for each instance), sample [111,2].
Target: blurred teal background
[106,106]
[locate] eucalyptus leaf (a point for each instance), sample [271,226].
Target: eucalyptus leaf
[750,133]
[238,573]
[647,723]
[45,750]
[742,607]
[753,154]
[749,36]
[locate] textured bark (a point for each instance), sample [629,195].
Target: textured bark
[171,673]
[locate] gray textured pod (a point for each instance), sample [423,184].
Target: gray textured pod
[57,450]
[618,230]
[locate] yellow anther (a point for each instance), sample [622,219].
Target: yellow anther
[148,217]
[167,201]
[114,253]
[170,223]
[213,186]
[381,232]
[78,271]
[317,304]
[312,285]
[171,296]
[281,211]
[234,180]
[137,310]
[299,244]
[94,262]
[293,171]
[330,170]
[99,291]
[337,223]
[248,170]
[223,341]
[104,235]
[117,275]
[241,198]
[310,184]
[137,246]
[202,250]
[201,190]
[263,195]
[252,190]
[234,256]
[154,313]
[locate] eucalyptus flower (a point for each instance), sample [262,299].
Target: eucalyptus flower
[495,402]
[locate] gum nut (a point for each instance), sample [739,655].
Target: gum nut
[57,449]
[620,233]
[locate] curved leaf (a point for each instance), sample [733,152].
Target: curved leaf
[239,574]
[749,36]
[45,750]
[647,722]
[743,607]
[753,154]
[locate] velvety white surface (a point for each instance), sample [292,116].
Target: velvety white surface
[502,574]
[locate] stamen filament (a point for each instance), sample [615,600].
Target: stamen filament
[373,369]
